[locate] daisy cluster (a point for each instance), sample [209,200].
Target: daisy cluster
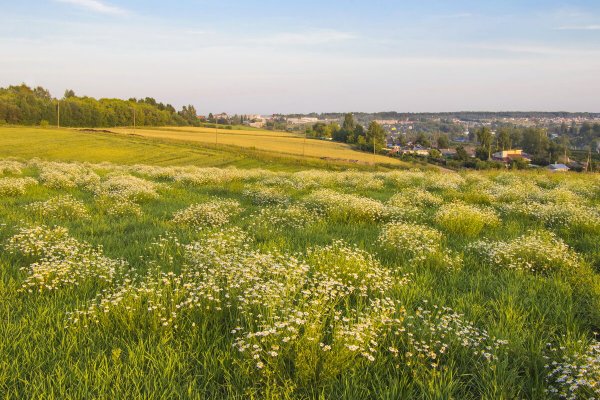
[65,206]
[212,213]
[575,374]
[61,260]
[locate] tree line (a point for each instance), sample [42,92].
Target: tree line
[371,139]
[23,105]
[533,141]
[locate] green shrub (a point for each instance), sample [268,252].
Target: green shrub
[464,219]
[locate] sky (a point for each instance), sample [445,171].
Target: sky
[267,56]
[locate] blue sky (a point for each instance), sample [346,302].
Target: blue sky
[281,56]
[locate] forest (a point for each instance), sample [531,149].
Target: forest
[23,105]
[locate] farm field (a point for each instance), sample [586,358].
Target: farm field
[125,148]
[268,141]
[155,281]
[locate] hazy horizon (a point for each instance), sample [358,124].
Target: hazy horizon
[330,56]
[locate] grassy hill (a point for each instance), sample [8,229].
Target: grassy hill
[132,281]
[189,146]
[159,275]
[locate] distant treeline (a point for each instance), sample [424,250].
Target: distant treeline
[463,115]
[23,105]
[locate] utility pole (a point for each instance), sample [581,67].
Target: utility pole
[374,161]
[304,145]
[134,119]
[588,167]
[58,115]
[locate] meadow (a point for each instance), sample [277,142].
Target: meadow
[169,146]
[146,281]
[289,144]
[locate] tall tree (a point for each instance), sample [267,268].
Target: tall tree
[535,142]
[504,140]
[349,123]
[443,142]
[484,137]
[375,136]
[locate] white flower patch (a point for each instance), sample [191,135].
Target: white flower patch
[128,187]
[538,252]
[216,176]
[576,375]
[40,240]
[15,186]
[406,179]
[11,167]
[119,206]
[66,175]
[62,260]
[352,270]
[415,197]
[59,207]
[587,186]
[263,195]
[442,181]
[431,334]
[337,338]
[516,191]
[280,218]
[419,241]
[411,204]
[556,215]
[347,179]
[221,274]
[210,214]
[345,206]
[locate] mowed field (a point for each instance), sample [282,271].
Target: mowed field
[269,141]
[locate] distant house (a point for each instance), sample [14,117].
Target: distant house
[386,121]
[448,152]
[415,150]
[302,120]
[257,124]
[507,156]
[558,167]
[470,150]
[221,116]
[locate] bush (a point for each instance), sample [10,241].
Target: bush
[465,219]
[416,241]
[537,252]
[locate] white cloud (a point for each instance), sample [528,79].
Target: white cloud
[96,6]
[305,38]
[579,28]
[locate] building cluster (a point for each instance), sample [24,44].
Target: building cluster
[507,157]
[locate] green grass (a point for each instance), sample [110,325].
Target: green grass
[129,352]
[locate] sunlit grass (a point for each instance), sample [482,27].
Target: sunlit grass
[188,282]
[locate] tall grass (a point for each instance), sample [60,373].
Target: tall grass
[189,282]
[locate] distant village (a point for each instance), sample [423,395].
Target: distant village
[404,135]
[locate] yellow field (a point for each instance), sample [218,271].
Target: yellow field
[188,146]
[269,141]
